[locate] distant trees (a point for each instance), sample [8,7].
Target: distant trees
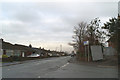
[80,32]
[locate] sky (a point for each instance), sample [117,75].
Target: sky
[49,23]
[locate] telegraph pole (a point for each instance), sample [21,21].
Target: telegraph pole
[88,52]
[60,48]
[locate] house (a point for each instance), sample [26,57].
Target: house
[1,49]
[22,50]
[7,48]
[55,54]
[44,53]
[16,49]
[37,52]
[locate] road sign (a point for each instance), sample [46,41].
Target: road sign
[96,51]
[86,42]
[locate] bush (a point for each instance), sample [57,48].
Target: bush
[7,59]
[4,56]
[16,58]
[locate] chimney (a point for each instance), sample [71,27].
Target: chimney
[1,40]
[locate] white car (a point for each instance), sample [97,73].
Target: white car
[34,55]
[49,54]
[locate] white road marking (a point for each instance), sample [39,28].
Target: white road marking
[65,57]
[65,65]
[38,76]
[37,63]
[8,69]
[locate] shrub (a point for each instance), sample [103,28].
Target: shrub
[4,56]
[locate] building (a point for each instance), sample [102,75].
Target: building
[7,48]
[22,50]
[15,49]
[19,50]
[1,48]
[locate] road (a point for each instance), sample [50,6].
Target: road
[57,67]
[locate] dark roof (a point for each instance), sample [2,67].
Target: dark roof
[7,45]
[36,49]
[22,47]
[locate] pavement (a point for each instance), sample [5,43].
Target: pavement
[59,67]
[18,62]
[10,63]
[110,62]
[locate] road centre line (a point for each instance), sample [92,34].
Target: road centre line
[39,77]
[64,65]
[8,69]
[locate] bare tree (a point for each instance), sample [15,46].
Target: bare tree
[91,32]
[80,32]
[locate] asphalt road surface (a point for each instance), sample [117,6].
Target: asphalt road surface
[57,67]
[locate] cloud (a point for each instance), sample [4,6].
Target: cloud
[49,23]
[59,1]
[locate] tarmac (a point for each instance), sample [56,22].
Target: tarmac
[110,62]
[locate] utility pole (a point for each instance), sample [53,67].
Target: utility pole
[86,44]
[85,52]
[60,48]
[88,53]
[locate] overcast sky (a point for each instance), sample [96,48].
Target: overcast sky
[50,24]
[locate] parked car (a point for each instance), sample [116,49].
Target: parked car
[50,54]
[34,55]
[72,55]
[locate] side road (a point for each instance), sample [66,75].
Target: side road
[10,63]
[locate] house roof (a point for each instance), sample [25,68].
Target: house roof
[22,47]
[36,49]
[7,45]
